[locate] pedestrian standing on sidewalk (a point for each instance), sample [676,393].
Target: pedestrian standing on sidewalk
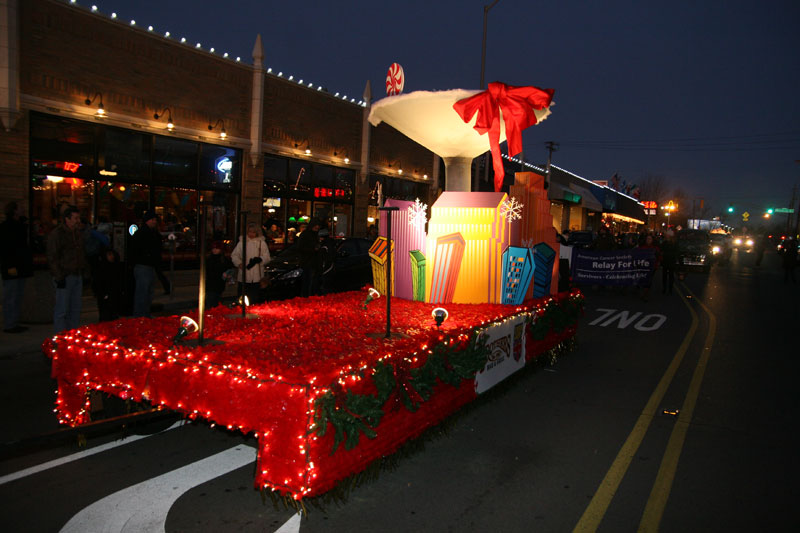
[145,250]
[66,258]
[257,256]
[216,266]
[16,262]
[107,284]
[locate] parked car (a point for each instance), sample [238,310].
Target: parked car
[694,249]
[346,266]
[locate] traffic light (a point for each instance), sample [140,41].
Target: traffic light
[730,209]
[770,210]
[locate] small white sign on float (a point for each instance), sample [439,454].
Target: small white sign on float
[506,344]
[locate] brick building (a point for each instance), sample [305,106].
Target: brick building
[179,123]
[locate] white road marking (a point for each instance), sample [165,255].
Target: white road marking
[291,526]
[80,455]
[143,508]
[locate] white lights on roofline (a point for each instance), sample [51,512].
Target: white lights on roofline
[226,55]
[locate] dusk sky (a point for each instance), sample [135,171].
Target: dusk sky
[705,94]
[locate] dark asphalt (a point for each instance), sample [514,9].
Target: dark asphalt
[528,459]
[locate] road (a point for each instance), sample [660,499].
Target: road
[671,414]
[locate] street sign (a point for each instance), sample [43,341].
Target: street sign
[745,216]
[784,210]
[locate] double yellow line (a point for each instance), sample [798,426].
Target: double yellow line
[659,494]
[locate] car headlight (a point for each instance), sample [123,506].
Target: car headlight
[716,249]
[737,242]
[292,274]
[749,242]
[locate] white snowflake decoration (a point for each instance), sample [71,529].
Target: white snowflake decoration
[511,209]
[417,214]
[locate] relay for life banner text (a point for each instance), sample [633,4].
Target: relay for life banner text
[616,267]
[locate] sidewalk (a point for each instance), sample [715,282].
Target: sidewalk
[183,298]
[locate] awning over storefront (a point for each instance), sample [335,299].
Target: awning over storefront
[587,198]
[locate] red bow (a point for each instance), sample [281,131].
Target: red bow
[517,105]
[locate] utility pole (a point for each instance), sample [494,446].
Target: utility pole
[551,147]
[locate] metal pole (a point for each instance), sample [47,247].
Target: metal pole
[389,211]
[201,290]
[244,262]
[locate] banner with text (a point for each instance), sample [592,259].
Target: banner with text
[613,267]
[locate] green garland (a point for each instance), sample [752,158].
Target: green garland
[353,414]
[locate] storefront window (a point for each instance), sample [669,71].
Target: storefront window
[220,216]
[300,180]
[62,148]
[51,195]
[299,212]
[220,167]
[125,156]
[323,211]
[121,204]
[342,217]
[175,162]
[345,182]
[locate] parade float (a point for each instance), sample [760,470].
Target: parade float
[330,384]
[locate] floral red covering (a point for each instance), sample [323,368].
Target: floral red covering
[269,371]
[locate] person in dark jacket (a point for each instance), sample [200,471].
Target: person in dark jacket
[604,241]
[107,284]
[216,266]
[145,248]
[66,258]
[308,248]
[669,261]
[790,260]
[16,263]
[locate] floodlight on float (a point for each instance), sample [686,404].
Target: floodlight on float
[439,315]
[187,327]
[372,294]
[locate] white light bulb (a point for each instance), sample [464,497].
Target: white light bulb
[94,8]
[149,28]
[133,23]
[269,70]
[166,34]
[238,58]
[225,54]
[113,15]
[183,39]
